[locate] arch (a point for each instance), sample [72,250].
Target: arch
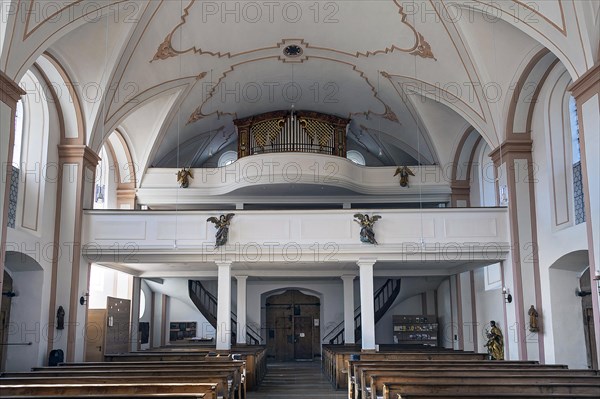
[37,120]
[462,167]
[566,333]
[73,129]
[525,94]
[26,311]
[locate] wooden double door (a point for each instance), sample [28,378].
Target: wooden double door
[293,331]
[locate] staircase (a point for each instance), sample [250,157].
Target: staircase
[384,297]
[207,305]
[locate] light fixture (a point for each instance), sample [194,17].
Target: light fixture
[581,293]
[507,295]
[84,298]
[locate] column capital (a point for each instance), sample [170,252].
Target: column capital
[10,92]
[366,262]
[348,277]
[223,263]
[73,153]
[241,278]
[511,147]
[589,82]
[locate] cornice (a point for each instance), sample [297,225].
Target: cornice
[76,153]
[10,92]
[587,82]
[511,147]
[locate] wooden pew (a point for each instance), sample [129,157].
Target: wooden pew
[335,366]
[484,390]
[135,396]
[45,390]
[359,370]
[225,387]
[371,380]
[254,356]
[228,374]
[474,378]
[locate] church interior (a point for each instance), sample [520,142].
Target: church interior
[300,199]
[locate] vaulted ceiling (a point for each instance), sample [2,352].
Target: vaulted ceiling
[411,75]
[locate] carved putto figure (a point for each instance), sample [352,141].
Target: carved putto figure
[404,172]
[495,343]
[222,225]
[183,177]
[366,222]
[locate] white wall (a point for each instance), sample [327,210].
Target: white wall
[179,311]
[489,306]
[445,330]
[179,308]
[555,239]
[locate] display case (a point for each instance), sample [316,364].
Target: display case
[182,330]
[418,330]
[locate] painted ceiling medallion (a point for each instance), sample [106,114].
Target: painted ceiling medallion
[293,51]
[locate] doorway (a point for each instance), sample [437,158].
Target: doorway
[588,319]
[293,332]
[7,293]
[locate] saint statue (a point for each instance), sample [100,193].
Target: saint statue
[222,225]
[533,319]
[495,343]
[366,232]
[60,318]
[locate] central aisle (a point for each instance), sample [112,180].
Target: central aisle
[295,380]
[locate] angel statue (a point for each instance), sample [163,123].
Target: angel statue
[404,172]
[222,225]
[182,177]
[366,232]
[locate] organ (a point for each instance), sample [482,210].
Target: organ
[284,131]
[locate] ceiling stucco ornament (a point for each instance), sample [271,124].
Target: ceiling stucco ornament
[423,48]
[408,39]
[387,113]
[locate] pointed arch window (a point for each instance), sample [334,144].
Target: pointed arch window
[578,201]
[13,194]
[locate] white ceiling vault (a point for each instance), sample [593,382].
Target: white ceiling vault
[411,75]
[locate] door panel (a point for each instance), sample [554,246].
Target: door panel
[303,327]
[95,335]
[283,339]
[118,333]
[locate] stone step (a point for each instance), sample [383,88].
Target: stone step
[295,380]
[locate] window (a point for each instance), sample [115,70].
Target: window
[574,130]
[227,158]
[356,157]
[18,135]
[102,173]
[13,193]
[577,177]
